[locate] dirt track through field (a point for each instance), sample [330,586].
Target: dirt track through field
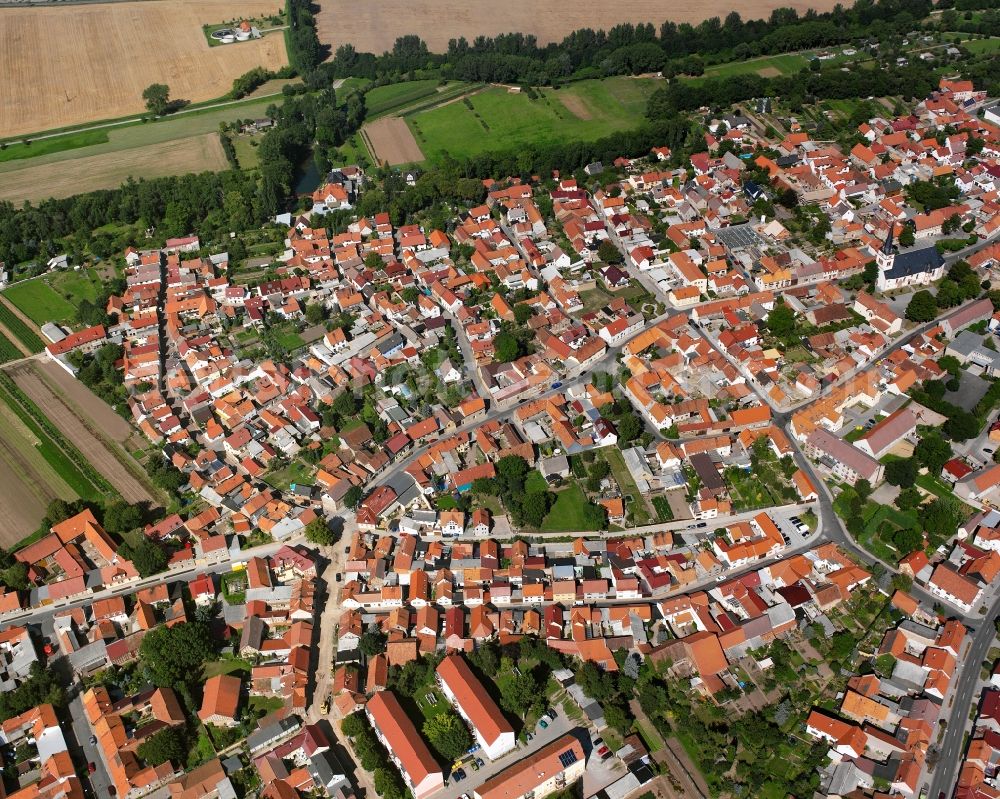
[65,65]
[373,26]
[73,425]
[109,170]
[392,141]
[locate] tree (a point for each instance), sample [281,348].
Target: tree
[523,312]
[315,313]
[629,428]
[518,692]
[842,644]
[933,452]
[962,426]
[353,497]
[168,744]
[902,472]
[157,97]
[448,734]
[781,319]
[173,656]
[922,307]
[505,347]
[909,498]
[319,532]
[535,506]
[353,725]
[609,253]
[120,517]
[906,236]
[372,642]
[147,556]
[863,489]
[387,783]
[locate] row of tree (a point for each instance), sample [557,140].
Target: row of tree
[632,49]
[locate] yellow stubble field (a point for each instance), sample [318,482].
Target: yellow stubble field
[66,65]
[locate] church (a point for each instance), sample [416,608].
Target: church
[897,270]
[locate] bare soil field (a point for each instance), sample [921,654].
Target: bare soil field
[74,423]
[769,72]
[374,26]
[65,65]
[109,170]
[27,482]
[392,141]
[110,423]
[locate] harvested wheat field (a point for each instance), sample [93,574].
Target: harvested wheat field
[109,170]
[392,142]
[374,26]
[67,65]
[81,429]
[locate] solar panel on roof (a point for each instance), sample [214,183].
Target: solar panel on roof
[567,758]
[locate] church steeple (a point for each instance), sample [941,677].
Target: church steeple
[887,247]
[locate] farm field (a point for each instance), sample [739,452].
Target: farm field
[374,26]
[92,70]
[27,481]
[392,142]
[396,95]
[502,120]
[54,297]
[76,425]
[109,170]
[20,328]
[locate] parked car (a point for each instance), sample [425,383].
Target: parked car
[480,762]
[459,775]
[598,742]
[91,767]
[543,723]
[528,736]
[93,740]
[551,713]
[474,765]
[604,753]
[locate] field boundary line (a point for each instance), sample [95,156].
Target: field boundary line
[119,452]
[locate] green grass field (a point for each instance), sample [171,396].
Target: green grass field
[40,302]
[19,150]
[784,64]
[383,99]
[980,46]
[566,515]
[501,120]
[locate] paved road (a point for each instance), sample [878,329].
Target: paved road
[967,685]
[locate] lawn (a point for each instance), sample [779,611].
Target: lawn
[637,507]
[535,482]
[566,515]
[231,666]
[933,485]
[496,119]
[40,302]
[294,473]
